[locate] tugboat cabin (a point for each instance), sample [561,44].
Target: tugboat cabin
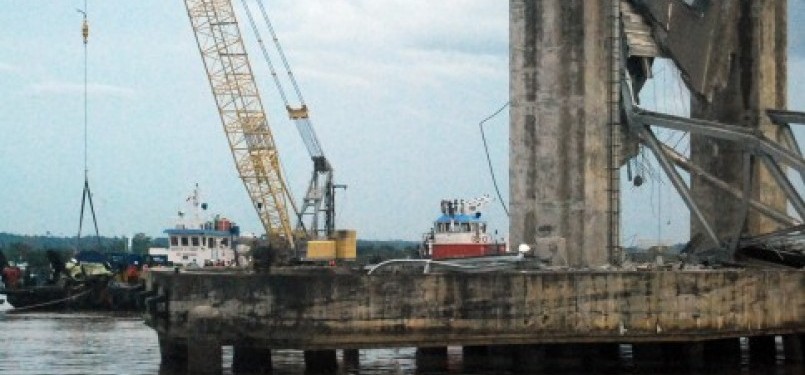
[460,233]
[201,247]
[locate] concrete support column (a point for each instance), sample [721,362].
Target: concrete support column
[247,358]
[173,353]
[475,357]
[605,356]
[501,357]
[321,361]
[695,355]
[204,356]
[558,177]
[529,358]
[431,359]
[668,355]
[762,350]
[351,358]
[559,357]
[204,349]
[723,352]
[794,348]
[648,355]
[755,80]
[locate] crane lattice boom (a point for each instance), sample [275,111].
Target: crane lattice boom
[244,119]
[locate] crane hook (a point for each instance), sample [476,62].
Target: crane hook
[84,26]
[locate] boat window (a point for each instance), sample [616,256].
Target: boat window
[174,241]
[224,242]
[211,242]
[483,227]
[465,227]
[194,240]
[184,241]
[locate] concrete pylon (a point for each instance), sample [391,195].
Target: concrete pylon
[173,353]
[561,81]
[755,80]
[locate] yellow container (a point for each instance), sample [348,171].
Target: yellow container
[346,243]
[321,250]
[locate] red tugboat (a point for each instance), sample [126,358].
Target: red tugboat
[460,232]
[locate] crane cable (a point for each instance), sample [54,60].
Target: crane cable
[87,193]
[299,115]
[488,159]
[265,53]
[281,53]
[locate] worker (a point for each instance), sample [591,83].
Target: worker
[132,273]
[10,276]
[56,264]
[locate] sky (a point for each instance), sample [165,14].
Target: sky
[395,95]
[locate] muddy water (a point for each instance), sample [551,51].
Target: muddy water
[87,344]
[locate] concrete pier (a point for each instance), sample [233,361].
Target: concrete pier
[198,312]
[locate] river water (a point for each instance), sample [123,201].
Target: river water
[95,343]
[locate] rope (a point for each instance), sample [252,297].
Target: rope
[49,303]
[488,159]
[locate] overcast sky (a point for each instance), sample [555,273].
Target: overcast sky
[395,93]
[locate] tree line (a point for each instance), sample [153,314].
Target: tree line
[31,249]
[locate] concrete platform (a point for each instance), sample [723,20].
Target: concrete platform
[320,309]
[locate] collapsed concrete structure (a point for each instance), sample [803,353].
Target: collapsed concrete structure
[576,70]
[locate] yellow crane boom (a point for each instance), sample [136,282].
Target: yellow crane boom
[242,115]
